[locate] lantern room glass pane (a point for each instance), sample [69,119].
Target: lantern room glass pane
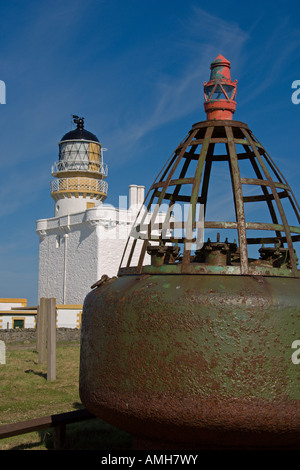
[74,155]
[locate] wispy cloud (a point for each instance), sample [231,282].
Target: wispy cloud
[276,52]
[174,96]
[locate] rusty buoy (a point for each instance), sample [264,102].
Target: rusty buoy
[192,345]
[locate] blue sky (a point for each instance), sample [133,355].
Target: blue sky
[135,71]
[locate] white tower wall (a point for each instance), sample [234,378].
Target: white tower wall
[67,260]
[71,205]
[77,249]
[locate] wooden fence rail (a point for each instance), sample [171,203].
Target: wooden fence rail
[58,422]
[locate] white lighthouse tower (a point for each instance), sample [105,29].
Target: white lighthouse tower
[86,237]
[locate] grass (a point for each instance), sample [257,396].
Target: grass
[27,394]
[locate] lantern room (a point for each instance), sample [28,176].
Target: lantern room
[79,173]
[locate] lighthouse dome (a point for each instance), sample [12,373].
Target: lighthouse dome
[79,133]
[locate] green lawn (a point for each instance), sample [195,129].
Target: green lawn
[25,393]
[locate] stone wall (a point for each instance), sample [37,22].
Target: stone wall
[28,335]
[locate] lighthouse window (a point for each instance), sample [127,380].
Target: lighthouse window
[73,156]
[58,241]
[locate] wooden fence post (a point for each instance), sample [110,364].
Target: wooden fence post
[51,339]
[41,340]
[2,352]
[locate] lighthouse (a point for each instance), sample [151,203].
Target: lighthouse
[79,174]
[86,236]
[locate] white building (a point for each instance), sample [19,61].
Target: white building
[15,314]
[86,237]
